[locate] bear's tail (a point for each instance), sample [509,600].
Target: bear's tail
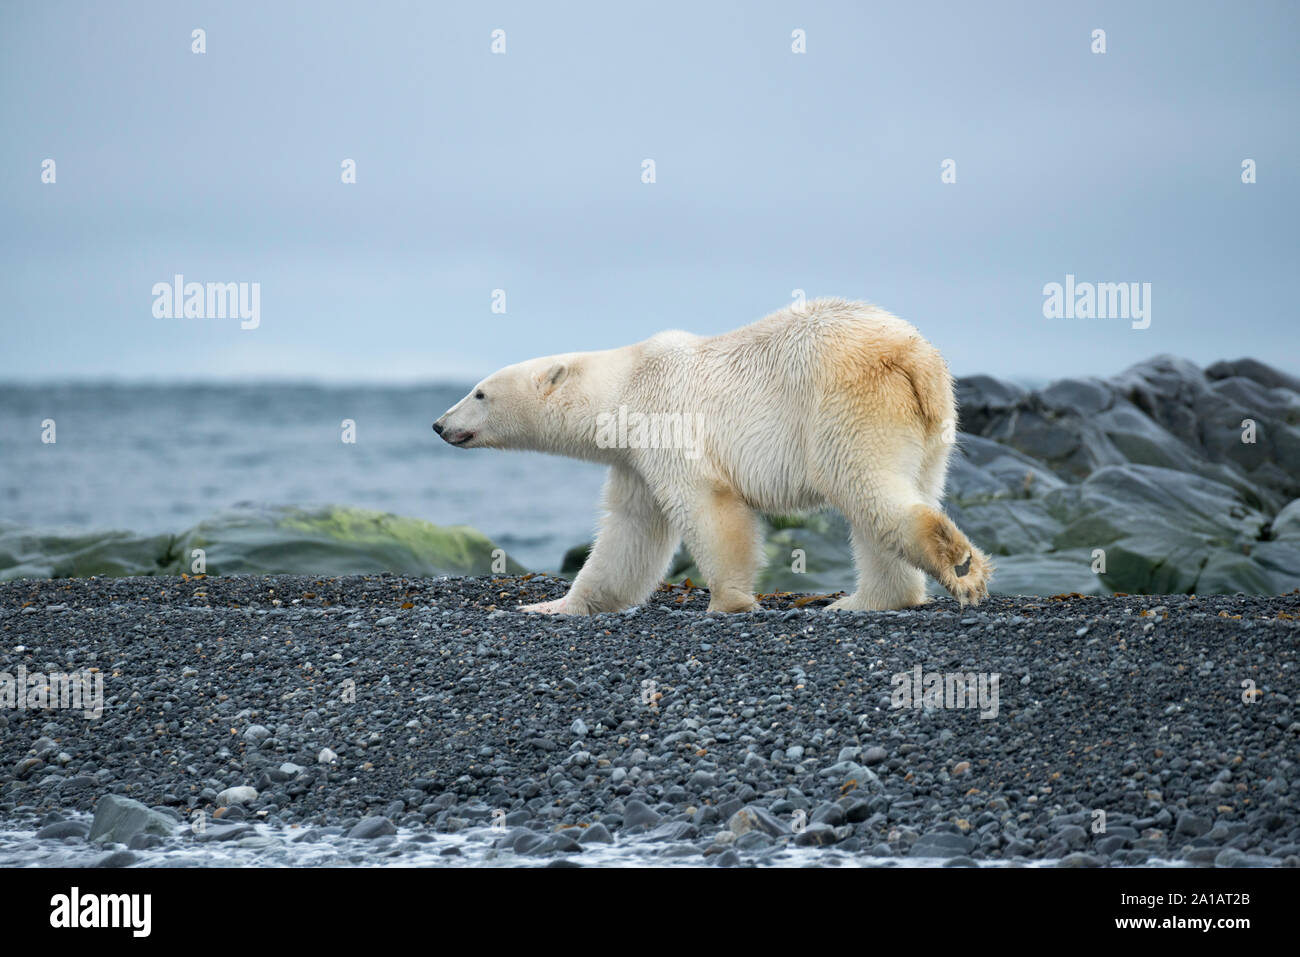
[927,375]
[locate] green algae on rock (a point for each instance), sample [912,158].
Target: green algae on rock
[330,540]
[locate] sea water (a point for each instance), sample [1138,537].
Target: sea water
[159,458]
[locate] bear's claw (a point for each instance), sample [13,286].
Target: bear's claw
[970,580]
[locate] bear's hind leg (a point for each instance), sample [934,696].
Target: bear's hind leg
[886,581]
[894,517]
[632,551]
[724,538]
[938,546]
[927,539]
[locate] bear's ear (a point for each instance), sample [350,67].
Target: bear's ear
[552,377]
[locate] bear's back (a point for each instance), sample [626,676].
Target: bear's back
[797,342]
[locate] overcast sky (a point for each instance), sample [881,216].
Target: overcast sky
[774,170]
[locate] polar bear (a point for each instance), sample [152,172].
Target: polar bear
[832,403]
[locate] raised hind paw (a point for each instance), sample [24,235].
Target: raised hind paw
[968,581]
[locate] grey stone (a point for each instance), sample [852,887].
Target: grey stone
[118,819]
[817,835]
[63,829]
[673,831]
[256,734]
[236,795]
[941,844]
[638,814]
[751,818]
[1192,825]
[596,834]
[369,828]
[224,832]
[117,859]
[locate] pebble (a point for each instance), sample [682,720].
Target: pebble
[236,795]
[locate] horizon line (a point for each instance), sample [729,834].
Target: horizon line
[399,381]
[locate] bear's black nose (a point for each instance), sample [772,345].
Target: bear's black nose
[437,428]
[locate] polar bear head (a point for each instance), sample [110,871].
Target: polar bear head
[529,405]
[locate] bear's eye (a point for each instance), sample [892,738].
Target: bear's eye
[479,394]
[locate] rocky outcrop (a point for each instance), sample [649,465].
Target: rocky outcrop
[331,540]
[1168,477]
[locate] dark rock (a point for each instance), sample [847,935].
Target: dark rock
[639,814]
[224,832]
[672,831]
[1192,825]
[372,827]
[817,835]
[596,834]
[753,818]
[941,844]
[63,829]
[117,859]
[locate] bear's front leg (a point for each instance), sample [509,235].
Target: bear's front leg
[553,607]
[632,551]
[724,538]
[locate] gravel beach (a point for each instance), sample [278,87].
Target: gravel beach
[382,719]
